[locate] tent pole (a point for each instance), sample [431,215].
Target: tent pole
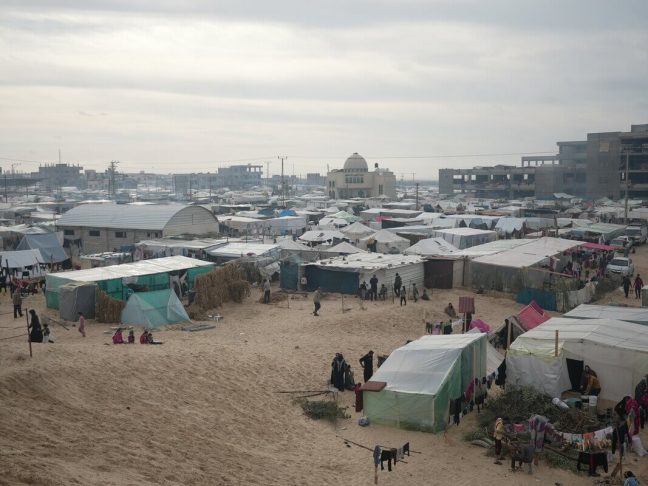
[508,335]
[28,333]
[556,345]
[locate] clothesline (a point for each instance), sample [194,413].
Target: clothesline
[371,448]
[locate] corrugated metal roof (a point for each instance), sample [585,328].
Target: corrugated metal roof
[241,249]
[121,216]
[369,261]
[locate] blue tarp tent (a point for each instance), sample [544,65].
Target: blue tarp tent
[48,244]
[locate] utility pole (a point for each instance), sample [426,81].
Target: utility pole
[112,169]
[267,163]
[283,185]
[417,203]
[627,177]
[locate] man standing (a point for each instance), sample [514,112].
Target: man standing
[316,300]
[638,285]
[398,283]
[266,291]
[415,292]
[367,365]
[373,282]
[17,303]
[626,285]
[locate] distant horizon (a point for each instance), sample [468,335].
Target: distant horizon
[417,86]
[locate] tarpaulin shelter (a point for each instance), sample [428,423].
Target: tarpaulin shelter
[75,297]
[154,274]
[616,350]
[48,244]
[431,247]
[357,231]
[386,242]
[21,258]
[479,324]
[493,357]
[423,377]
[532,316]
[154,309]
[637,315]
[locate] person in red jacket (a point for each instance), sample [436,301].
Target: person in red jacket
[638,285]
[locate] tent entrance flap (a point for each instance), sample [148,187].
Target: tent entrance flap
[575,371]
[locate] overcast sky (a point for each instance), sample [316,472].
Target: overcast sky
[179,86]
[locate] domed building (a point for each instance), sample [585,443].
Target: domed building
[355,180]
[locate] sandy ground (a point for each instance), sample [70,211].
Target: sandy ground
[204,408]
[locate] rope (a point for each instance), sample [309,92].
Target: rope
[12,337]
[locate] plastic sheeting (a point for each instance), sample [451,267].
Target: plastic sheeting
[431,247]
[154,309]
[637,315]
[386,242]
[77,297]
[48,244]
[531,316]
[616,350]
[21,258]
[423,377]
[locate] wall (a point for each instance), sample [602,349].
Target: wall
[603,178]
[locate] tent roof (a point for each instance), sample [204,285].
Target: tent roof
[48,244]
[358,229]
[464,231]
[154,309]
[610,333]
[491,247]
[531,317]
[422,366]
[136,269]
[530,253]
[289,244]
[384,236]
[368,261]
[240,249]
[322,235]
[20,258]
[432,247]
[198,244]
[638,315]
[344,247]
[493,357]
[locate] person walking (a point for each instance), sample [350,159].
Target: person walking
[415,292]
[317,295]
[373,282]
[16,298]
[403,296]
[266,291]
[638,285]
[82,324]
[626,285]
[398,282]
[367,365]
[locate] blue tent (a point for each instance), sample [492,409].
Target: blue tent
[48,244]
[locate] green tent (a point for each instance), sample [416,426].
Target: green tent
[422,378]
[153,309]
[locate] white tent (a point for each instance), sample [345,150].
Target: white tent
[423,377]
[357,231]
[386,242]
[321,236]
[431,247]
[21,258]
[616,350]
[638,315]
[344,248]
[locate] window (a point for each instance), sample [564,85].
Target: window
[604,146]
[120,234]
[94,233]
[68,232]
[380,189]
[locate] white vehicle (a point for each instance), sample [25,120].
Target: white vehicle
[638,234]
[620,266]
[620,243]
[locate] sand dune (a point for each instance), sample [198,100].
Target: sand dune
[203,408]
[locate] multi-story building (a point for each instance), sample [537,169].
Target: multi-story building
[355,180]
[315,179]
[240,176]
[54,176]
[592,168]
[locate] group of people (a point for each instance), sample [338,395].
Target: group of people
[38,333]
[637,285]
[342,376]
[145,338]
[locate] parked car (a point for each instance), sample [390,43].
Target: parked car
[638,234]
[620,266]
[621,242]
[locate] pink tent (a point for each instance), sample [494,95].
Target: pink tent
[532,315]
[479,324]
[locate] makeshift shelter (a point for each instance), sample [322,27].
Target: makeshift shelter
[315,237]
[616,350]
[386,242]
[75,297]
[431,247]
[240,249]
[422,379]
[21,259]
[48,244]
[465,237]
[356,231]
[344,248]
[344,274]
[637,315]
[493,357]
[154,309]
[119,280]
[532,316]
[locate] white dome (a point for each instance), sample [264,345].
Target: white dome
[356,163]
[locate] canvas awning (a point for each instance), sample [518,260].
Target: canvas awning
[598,246]
[21,258]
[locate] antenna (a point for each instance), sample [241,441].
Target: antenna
[283,185]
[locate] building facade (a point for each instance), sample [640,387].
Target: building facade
[240,176]
[355,180]
[54,176]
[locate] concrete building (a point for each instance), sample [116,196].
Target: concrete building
[315,179]
[240,176]
[592,169]
[355,180]
[96,228]
[54,176]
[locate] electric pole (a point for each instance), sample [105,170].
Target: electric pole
[627,164]
[112,170]
[267,163]
[283,185]
[417,201]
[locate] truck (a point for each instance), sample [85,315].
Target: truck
[638,234]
